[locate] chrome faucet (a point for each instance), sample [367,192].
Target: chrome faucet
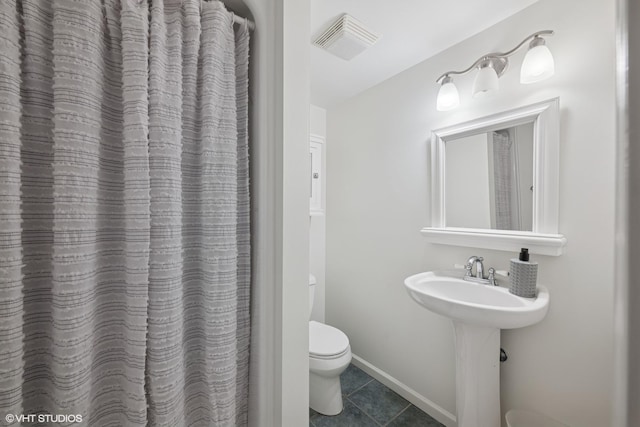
[479,277]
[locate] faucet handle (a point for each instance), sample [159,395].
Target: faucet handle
[492,277]
[468,267]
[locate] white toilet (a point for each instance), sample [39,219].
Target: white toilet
[329,356]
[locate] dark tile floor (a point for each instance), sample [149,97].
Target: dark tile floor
[368,403]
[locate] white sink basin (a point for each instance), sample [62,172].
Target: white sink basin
[447,294]
[478,312]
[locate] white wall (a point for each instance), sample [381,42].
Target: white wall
[377,201]
[466,204]
[525,174]
[295,210]
[264,403]
[279,87]
[317,223]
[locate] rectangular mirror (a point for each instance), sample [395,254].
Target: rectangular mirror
[495,181]
[499,163]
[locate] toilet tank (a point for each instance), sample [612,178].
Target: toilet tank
[312,292]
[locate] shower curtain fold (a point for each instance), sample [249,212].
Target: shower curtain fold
[197,328]
[124,222]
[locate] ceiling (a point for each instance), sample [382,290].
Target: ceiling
[412,31]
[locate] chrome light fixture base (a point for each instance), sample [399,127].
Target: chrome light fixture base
[499,64]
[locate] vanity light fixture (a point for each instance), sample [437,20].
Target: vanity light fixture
[538,65]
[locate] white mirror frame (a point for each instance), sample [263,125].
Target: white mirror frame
[544,238]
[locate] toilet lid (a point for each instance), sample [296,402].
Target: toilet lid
[325,340]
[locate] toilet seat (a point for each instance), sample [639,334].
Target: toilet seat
[333,356]
[326,342]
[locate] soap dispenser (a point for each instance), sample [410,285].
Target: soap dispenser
[523,275]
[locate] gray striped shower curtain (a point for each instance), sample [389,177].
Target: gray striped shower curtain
[505,206]
[124,213]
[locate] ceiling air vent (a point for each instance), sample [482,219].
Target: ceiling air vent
[346,38]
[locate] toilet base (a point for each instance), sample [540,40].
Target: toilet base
[325,394]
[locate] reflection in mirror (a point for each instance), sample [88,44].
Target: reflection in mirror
[497,189]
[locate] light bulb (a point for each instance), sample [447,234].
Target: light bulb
[538,63]
[448,97]
[486,80]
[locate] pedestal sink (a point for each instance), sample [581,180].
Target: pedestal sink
[478,312]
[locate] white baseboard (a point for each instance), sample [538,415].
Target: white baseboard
[431,408]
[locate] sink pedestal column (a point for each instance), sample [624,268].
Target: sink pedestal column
[477,375]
